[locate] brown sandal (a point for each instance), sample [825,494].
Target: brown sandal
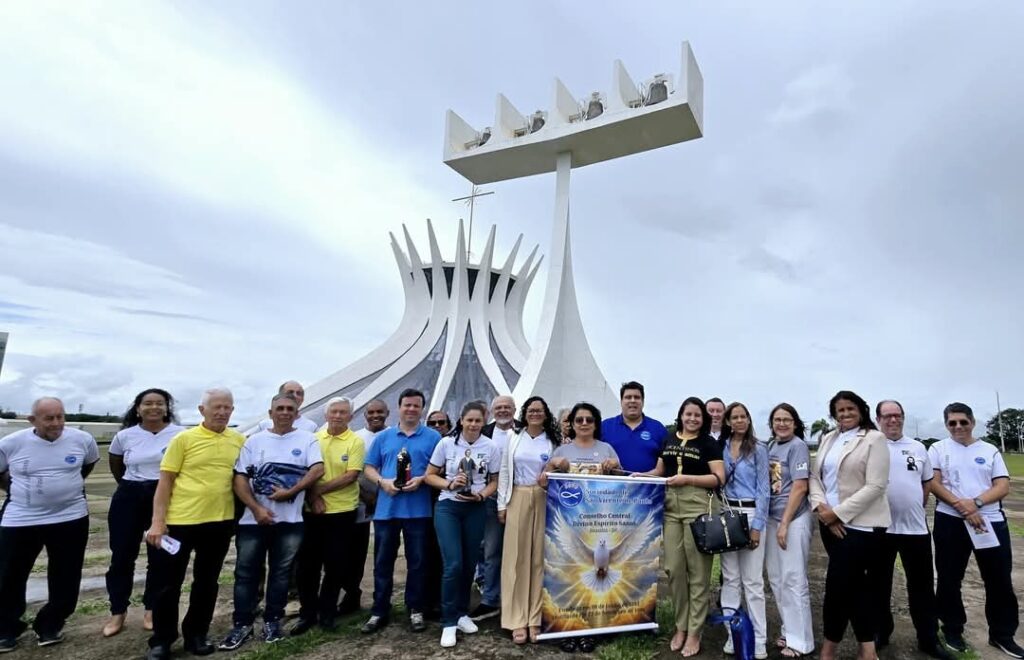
[519,635]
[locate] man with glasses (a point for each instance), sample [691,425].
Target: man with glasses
[970,483]
[910,472]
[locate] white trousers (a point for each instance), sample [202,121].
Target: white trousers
[787,575]
[743,576]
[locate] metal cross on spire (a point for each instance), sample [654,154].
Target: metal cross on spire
[470,201]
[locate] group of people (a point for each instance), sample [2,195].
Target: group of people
[467,503]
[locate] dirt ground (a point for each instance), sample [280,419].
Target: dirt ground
[85,642]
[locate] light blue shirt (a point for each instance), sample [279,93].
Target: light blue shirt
[747,479]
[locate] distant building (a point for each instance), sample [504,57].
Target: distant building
[3,350]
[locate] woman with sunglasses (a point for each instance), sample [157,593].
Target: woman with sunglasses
[787,537]
[746,491]
[848,493]
[692,462]
[522,501]
[585,453]
[463,468]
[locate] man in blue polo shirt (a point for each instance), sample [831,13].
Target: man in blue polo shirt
[401,511]
[635,437]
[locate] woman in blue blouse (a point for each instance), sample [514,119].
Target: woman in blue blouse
[747,491]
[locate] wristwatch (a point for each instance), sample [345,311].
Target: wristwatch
[978,503]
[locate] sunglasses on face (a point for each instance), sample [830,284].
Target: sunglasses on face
[584,420]
[953,423]
[437,422]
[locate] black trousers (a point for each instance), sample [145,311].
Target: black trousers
[65,551]
[360,548]
[131,511]
[851,583]
[915,553]
[953,550]
[327,548]
[433,566]
[210,543]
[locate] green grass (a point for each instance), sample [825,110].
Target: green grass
[1016,529]
[101,605]
[1015,464]
[641,645]
[348,627]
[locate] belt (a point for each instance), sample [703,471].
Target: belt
[743,504]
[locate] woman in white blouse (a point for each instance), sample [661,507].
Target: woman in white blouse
[848,494]
[134,455]
[522,499]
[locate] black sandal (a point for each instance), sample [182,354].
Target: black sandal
[586,645]
[568,645]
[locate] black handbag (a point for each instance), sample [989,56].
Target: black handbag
[725,531]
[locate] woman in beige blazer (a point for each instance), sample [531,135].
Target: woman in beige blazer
[847,492]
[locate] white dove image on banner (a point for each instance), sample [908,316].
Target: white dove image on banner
[602,547]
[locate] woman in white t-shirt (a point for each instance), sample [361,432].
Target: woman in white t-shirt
[848,493]
[134,455]
[463,467]
[522,498]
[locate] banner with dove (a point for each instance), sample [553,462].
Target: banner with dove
[602,548]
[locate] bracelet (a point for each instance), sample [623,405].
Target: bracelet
[449,486]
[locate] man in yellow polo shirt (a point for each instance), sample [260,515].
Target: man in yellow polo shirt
[194,506]
[327,544]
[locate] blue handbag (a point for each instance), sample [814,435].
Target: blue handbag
[282,475]
[740,627]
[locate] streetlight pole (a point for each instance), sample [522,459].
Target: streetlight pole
[999,417]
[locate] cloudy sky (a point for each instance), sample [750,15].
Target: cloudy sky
[200,193]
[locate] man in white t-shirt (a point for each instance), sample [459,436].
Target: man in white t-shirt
[43,470]
[970,483]
[910,472]
[273,471]
[488,577]
[299,394]
[376,416]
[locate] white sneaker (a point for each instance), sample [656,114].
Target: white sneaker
[760,652]
[466,625]
[448,637]
[728,649]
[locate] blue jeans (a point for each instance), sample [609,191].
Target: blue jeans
[254,544]
[490,566]
[460,528]
[386,536]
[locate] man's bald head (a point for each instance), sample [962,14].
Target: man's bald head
[294,388]
[47,417]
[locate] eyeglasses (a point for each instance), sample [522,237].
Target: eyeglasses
[953,423]
[782,420]
[584,420]
[437,422]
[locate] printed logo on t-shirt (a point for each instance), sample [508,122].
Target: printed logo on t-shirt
[801,466]
[544,457]
[775,476]
[911,463]
[70,460]
[296,452]
[645,435]
[344,457]
[980,460]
